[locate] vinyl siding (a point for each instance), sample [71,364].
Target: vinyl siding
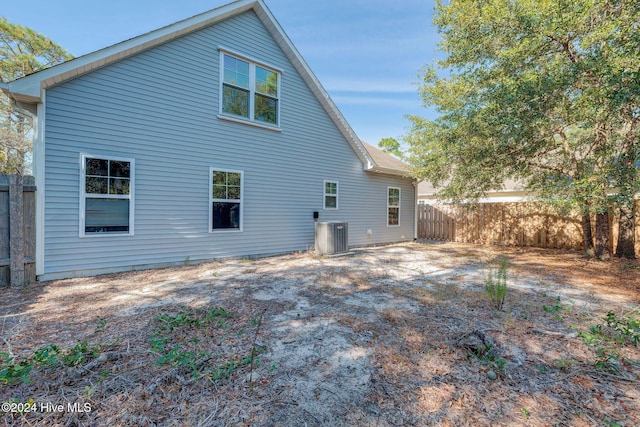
[160,108]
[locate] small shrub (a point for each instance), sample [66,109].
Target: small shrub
[496,287]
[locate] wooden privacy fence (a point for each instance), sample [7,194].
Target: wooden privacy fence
[17,230]
[515,224]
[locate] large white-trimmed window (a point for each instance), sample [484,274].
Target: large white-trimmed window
[106,195]
[330,195]
[225,200]
[393,206]
[249,90]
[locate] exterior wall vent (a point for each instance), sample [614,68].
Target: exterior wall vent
[332,237]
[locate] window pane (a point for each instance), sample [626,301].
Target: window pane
[106,215]
[394,197]
[219,192]
[266,81]
[235,101]
[119,169]
[219,178]
[118,186]
[226,215]
[233,178]
[236,72]
[330,201]
[97,167]
[96,185]
[331,188]
[233,192]
[393,216]
[266,109]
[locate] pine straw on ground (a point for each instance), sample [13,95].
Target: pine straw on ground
[373,338]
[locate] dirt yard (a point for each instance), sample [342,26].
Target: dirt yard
[386,336]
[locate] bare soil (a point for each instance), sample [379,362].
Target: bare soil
[383,336]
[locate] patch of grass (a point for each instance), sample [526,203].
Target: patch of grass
[101,326]
[556,309]
[182,339]
[496,287]
[631,265]
[17,371]
[564,364]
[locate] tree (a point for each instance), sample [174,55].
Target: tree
[546,92]
[22,51]
[391,146]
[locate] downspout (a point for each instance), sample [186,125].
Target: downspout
[415,210]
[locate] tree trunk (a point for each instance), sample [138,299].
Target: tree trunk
[587,236]
[603,246]
[626,233]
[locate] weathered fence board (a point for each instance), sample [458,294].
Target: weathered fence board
[513,224]
[17,230]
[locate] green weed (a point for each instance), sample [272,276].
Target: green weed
[496,288]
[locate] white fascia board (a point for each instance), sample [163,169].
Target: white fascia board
[389,171]
[28,87]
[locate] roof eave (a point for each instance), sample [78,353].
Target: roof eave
[28,89]
[389,171]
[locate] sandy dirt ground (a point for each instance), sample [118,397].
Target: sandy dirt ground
[384,336]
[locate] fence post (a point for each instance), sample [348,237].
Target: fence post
[16,230]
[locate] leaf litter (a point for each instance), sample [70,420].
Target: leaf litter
[386,336]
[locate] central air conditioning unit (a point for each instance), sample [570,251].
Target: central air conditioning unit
[331,237]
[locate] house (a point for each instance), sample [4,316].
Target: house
[512,191]
[209,138]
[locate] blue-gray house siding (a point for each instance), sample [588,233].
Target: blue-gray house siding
[160,107]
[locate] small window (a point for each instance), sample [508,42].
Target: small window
[249,91]
[393,206]
[106,193]
[225,200]
[330,194]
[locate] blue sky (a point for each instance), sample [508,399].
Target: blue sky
[366,53]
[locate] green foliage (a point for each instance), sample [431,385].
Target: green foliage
[542,92]
[80,353]
[177,342]
[10,371]
[391,146]
[607,361]
[627,327]
[607,337]
[553,308]
[496,288]
[48,356]
[22,51]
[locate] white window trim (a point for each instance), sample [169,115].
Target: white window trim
[325,194]
[130,196]
[252,91]
[394,206]
[211,200]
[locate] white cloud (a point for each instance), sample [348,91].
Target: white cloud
[368,86]
[395,102]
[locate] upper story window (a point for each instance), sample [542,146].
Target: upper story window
[250,91]
[330,194]
[393,206]
[106,196]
